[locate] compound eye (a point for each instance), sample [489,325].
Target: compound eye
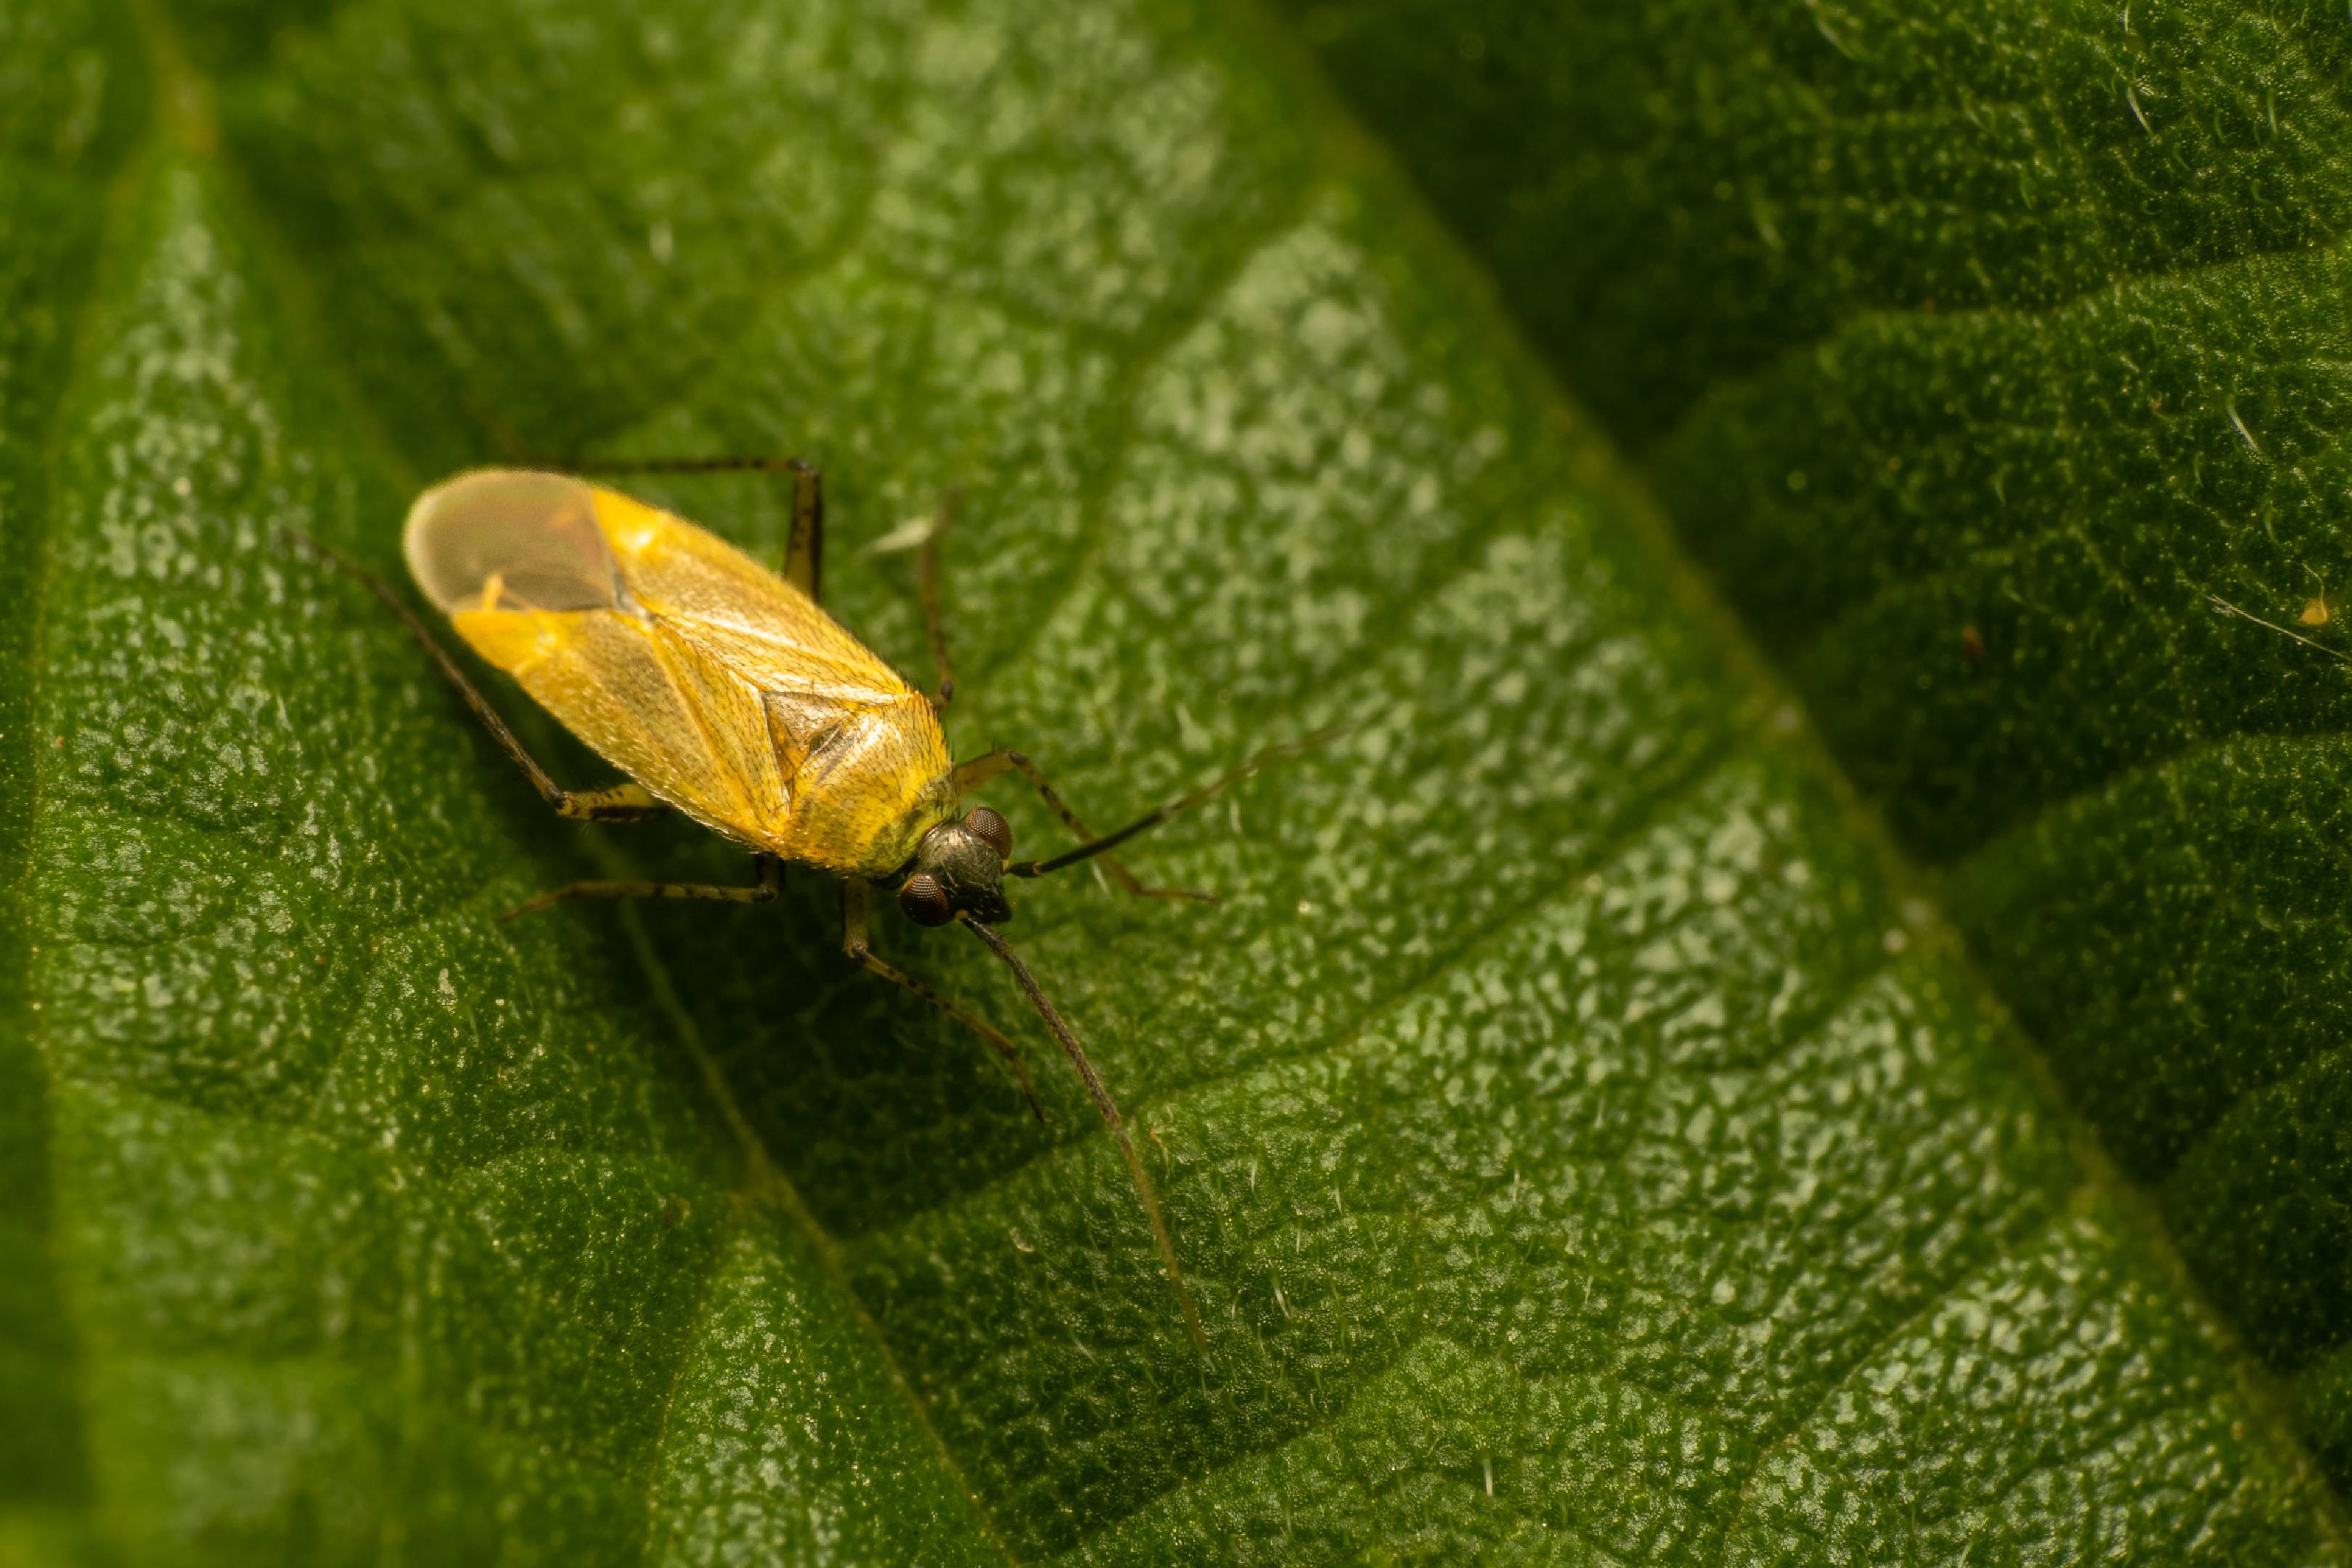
[925,901]
[992,830]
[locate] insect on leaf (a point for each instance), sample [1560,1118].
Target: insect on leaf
[1575,1152]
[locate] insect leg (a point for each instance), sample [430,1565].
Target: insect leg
[803,551]
[771,883]
[980,771]
[852,943]
[927,580]
[616,802]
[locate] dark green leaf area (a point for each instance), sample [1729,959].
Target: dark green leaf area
[1688,190]
[1993,359]
[2038,343]
[2073,487]
[1574,1156]
[2190,980]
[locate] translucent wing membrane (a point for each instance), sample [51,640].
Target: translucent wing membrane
[517,539]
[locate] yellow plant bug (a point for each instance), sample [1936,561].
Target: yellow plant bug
[726,692]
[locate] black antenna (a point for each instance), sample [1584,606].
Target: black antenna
[1104,1104]
[1151,820]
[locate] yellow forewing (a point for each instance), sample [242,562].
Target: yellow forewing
[715,683]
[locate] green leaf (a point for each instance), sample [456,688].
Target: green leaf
[1981,351]
[1579,1153]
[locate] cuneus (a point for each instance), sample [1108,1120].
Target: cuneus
[727,692]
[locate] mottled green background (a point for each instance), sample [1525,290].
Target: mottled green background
[1586,1146]
[2030,320]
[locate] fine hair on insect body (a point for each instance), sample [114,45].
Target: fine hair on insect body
[723,691]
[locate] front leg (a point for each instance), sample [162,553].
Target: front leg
[853,904]
[771,883]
